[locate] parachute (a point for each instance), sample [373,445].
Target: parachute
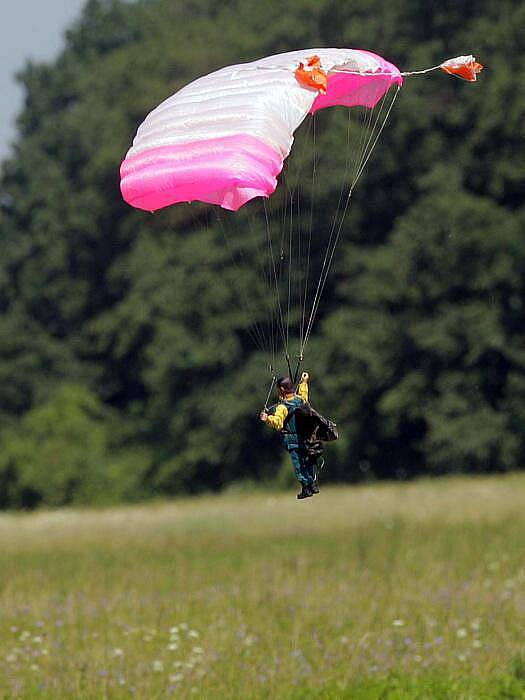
[224,139]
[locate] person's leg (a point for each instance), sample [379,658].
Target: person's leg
[309,465]
[298,467]
[299,473]
[306,467]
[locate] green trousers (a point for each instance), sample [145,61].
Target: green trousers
[303,465]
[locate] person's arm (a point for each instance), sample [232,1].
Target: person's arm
[302,389]
[276,420]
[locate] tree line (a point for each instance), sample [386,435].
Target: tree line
[126,368]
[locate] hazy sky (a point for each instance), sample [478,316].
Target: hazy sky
[28,29]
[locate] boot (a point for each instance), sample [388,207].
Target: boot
[314,488]
[305,492]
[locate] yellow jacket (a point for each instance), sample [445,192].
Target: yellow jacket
[276,421]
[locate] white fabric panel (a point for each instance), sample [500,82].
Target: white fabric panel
[262,99]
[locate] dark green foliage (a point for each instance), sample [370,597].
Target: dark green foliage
[61,452]
[428,337]
[419,346]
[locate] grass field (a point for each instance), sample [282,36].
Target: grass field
[386,591]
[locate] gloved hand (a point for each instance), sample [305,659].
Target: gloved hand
[263,416]
[305,377]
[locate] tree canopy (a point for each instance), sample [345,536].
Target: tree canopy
[126,363]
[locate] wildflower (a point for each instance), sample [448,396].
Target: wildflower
[198,650]
[398,623]
[34,667]
[418,658]
[37,640]
[158,666]
[117,652]
[173,646]
[475,624]
[174,630]
[477,644]
[462,658]
[461,633]
[176,677]
[183,626]
[344,640]
[193,634]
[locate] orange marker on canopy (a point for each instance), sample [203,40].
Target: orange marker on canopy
[313,76]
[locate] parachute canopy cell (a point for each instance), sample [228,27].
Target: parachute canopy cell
[223,138]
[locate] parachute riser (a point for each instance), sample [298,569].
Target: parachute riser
[274,379]
[295,376]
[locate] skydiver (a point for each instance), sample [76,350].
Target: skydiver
[283,420]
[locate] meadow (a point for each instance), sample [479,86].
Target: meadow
[392,591]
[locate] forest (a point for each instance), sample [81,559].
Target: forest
[127,367]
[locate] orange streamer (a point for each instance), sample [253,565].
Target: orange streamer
[467,71]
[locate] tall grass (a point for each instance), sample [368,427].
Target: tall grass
[385,591]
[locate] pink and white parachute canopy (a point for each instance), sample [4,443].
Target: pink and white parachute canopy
[223,138]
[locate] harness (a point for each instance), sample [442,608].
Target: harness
[289,431]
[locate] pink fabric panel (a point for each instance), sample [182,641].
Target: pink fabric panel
[353,89]
[227,171]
